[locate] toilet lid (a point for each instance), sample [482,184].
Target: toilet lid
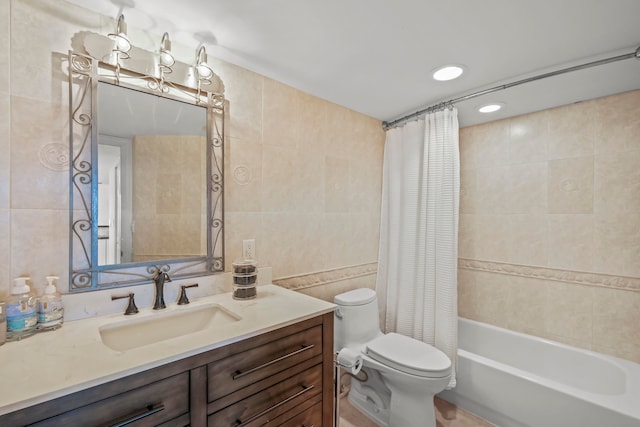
[409,355]
[355,297]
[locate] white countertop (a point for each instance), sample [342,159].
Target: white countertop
[73,358]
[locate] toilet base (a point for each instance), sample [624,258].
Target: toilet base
[366,403]
[406,413]
[412,402]
[404,402]
[371,397]
[370,403]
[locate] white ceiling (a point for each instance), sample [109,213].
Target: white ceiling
[376,56]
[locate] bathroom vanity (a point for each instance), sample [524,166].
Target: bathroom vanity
[272,366]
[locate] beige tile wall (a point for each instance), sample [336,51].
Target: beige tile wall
[558,189]
[169,179]
[304,178]
[303,175]
[5,145]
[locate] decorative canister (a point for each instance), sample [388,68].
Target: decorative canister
[245,275]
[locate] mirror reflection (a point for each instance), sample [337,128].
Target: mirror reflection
[152,177]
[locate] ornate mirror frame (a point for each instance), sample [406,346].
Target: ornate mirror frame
[85,273]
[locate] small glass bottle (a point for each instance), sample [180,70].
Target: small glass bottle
[21,308]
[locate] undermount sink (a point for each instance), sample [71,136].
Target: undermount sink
[134,333]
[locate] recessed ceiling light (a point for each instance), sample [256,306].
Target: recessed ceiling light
[490,108]
[448,72]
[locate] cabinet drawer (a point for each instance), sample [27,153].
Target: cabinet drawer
[240,370]
[312,417]
[151,405]
[309,414]
[270,403]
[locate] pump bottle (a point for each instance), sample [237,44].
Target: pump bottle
[50,307]
[22,317]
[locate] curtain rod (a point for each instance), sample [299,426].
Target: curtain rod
[394,123]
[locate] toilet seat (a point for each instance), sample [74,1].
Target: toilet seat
[409,356]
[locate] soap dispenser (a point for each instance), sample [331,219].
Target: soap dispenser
[50,307]
[22,316]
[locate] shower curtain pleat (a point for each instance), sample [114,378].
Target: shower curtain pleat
[417,267]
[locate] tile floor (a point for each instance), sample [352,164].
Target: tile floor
[447,415]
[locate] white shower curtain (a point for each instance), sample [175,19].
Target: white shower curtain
[418,257]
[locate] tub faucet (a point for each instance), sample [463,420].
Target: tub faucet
[160,278]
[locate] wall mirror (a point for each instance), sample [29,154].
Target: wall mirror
[146,173]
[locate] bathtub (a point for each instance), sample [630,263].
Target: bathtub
[517,380]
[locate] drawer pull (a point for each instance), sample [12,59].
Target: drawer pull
[150,410]
[240,423]
[240,374]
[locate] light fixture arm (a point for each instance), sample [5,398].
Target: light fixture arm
[165,43]
[201,56]
[121,26]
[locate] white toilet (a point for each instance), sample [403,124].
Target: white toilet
[403,373]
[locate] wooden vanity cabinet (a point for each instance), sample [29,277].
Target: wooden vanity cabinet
[152,398]
[280,378]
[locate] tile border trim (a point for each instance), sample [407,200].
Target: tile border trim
[545,273]
[325,277]
[310,280]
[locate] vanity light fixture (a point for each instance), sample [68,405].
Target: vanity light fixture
[448,72]
[490,108]
[202,68]
[156,66]
[122,43]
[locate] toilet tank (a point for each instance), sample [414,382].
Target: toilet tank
[356,318]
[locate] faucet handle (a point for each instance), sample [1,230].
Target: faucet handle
[183,293]
[131,306]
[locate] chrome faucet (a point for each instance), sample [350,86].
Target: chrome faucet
[160,278]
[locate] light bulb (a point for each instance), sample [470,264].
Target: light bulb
[449,72]
[490,108]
